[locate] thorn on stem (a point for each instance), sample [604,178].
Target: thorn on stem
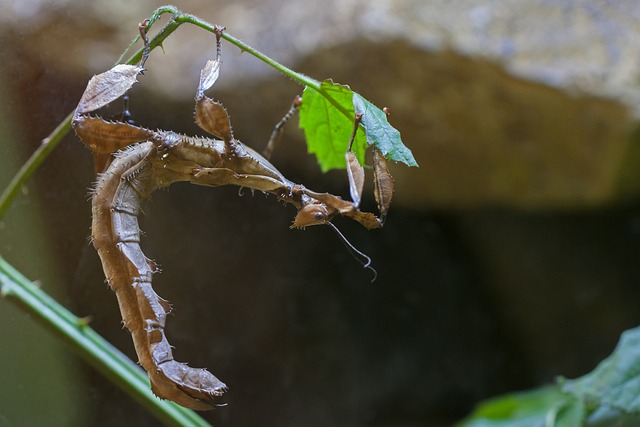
[84,321]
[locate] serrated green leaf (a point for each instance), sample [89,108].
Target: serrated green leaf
[615,383]
[380,133]
[327,119]
[608,396]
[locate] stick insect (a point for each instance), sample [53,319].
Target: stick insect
[133,162]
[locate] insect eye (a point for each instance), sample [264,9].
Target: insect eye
[312,214]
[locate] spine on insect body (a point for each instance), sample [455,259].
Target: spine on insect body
[116,236]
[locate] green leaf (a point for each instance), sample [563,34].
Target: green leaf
[612,390]
[608,396]
[327,118]
[380,133]
[544,407]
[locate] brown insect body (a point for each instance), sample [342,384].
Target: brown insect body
[146,160]
[135,173]
[116,236]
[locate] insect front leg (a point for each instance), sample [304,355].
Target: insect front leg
[383,190]
[383,182]
[355,171]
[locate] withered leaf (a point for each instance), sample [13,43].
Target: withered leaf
[208,75]
[212,117]
[107,87]
[369,220]
[101,136]
[382,182]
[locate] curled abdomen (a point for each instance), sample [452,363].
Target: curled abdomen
[117,201]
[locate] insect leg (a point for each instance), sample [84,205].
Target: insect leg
[210,115]
[143,27]
[383,183]
[276,135]
[355,171]
[214,177]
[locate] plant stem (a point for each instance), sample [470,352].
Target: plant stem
[98,352]
[32,165]
[179,18]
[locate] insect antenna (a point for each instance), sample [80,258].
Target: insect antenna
[355,252]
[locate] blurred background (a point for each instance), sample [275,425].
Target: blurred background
[508,258]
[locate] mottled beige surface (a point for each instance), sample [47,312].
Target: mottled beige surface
[576,45]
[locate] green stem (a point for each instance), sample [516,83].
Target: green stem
[98,352]
[32,165]
[179,18]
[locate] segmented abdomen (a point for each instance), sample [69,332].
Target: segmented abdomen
[117,201]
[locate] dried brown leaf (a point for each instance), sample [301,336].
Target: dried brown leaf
[107,87]
[212,117]
[383,183]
